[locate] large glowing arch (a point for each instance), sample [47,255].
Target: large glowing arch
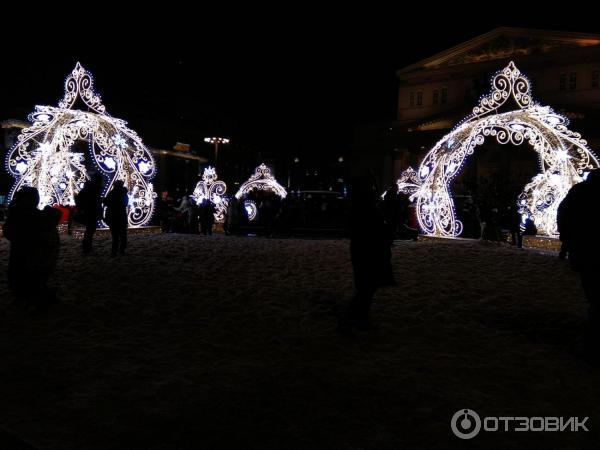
[43,156]
[564,157]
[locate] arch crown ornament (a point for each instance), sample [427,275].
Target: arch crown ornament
[44,155]
[564,157]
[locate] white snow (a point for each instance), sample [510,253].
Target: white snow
[230,342]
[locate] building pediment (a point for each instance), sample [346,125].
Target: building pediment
[505,43]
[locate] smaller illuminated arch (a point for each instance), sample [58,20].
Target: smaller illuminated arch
[261,180]
[213,189]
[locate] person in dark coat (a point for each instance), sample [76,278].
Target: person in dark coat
[89,204]
[370,252]
[578,219]
[116,202]
[232,218]
[34,246]
[513,221]
[207,217]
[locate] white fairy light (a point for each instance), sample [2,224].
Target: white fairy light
[213,189]
[21,168]
[59,173]
[251,209]
[564,157]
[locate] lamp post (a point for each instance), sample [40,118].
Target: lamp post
[216,141]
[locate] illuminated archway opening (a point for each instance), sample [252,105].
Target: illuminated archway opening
[261,180]
[564,157]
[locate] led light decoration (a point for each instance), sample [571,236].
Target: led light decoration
[564,157]
[43,157]
[408,183]
[214,190]
[251,209]
[262,180]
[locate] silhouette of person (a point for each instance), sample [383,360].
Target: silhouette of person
[116,202]
[513,219]
[232,216]
[577,219]
[207,217]
[370,252]
[393,207]
[186,211]
[34,246]
[89,204]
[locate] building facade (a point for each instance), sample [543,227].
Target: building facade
[435,94]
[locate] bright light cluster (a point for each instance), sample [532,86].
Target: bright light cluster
[564,157]
[43,156]
[213,189]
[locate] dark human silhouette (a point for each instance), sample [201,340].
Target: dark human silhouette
[232,217]
[578,219]
[89,205]
[207,217]
[116,216]
[393,208]
[530,228]
[513,221]
[370,252]
[34,247]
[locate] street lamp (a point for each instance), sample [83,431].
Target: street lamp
[216,141]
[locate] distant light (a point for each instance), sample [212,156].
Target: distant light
[216,140]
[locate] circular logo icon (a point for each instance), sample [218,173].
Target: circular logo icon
[465,423]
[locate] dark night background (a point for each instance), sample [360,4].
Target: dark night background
[287,86]
[191,341]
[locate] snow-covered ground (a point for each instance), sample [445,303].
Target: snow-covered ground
[192,342]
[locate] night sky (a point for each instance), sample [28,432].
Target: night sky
[281,88]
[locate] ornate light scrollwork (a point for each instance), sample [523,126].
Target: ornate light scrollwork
[213,189]
[43,156]
[409,182]
[564,157]
[263,180]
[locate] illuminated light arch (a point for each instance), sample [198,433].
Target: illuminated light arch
[261,180]
[43,158]
[564,157]
[213,189]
